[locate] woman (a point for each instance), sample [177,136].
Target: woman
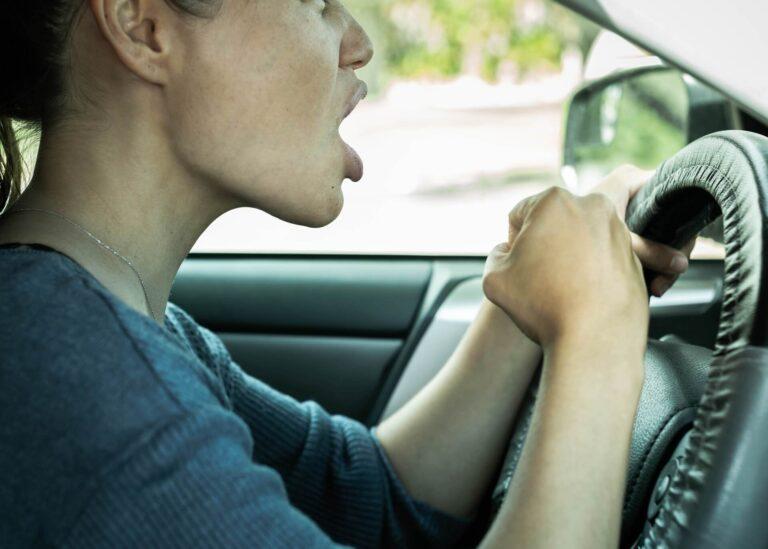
[127,424]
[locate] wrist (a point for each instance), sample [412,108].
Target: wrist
[626,333]
[496,316]
[607,358]
[493,318]
[494,340]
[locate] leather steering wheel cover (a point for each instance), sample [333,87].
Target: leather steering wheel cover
[723,172]
[719,493]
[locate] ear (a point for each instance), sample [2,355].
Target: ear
[138,33]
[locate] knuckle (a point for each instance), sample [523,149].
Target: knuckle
[489,282]
[491,286]
[556,195]
[627,169]
[618,225]
[601,203]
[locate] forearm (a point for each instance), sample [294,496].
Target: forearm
[446,444]
[569,486]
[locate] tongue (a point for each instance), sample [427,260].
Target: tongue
[353,163]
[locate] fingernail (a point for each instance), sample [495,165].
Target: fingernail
[679,264]
[661,286]
[655,287]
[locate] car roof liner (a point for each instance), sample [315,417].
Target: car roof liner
[722,44]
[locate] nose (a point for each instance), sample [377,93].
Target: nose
[356,46]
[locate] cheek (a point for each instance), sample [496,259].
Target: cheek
[257,117]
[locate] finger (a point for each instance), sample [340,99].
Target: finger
[687,250]
[500,249]
[658,257]
[661,284]
[519,215]
[622,185]
[638,180]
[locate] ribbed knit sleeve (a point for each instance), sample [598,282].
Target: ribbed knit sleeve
[116,432]
[334,469]
[192,484]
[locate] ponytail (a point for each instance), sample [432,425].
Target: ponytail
[11,164]
[33,88]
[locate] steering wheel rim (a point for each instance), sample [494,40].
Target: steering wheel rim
[723,173]
[719,478]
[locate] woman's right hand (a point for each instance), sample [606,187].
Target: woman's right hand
[569,278]
[568,270]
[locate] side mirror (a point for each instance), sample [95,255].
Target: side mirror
[640,116]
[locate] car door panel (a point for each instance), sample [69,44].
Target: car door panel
[317,296]
[343,373]
[360,335]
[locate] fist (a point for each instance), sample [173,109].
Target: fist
[568,270]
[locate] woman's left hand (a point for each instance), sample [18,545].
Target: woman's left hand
[621,186]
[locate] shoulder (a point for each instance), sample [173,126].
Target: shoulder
[82,368]
[84,378]
[207,346]
[53,317]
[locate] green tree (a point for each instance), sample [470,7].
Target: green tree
[443,38]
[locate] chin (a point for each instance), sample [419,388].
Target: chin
[320,212]
[324,216]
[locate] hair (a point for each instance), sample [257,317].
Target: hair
[35,82]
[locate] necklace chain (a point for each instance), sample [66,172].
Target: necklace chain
[100,243]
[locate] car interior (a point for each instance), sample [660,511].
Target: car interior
[362,334]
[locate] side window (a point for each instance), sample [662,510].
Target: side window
[464,120]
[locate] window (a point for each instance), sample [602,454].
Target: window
[464,120]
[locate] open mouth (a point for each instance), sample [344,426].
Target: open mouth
[359,94]
[353,164]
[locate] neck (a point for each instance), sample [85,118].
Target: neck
[123,186]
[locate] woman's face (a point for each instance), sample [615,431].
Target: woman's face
[256,99]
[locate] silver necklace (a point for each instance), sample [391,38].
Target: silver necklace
[100,243]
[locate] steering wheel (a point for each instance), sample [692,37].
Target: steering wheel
[698,468]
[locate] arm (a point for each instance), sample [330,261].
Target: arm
[190,483]
[458,427]
[568,488]
[334,471]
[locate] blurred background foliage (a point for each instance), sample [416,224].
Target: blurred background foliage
[491,39]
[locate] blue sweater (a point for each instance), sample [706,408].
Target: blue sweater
[117,432]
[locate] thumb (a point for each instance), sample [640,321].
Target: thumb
[520,214]
[502,249]
[497,257]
